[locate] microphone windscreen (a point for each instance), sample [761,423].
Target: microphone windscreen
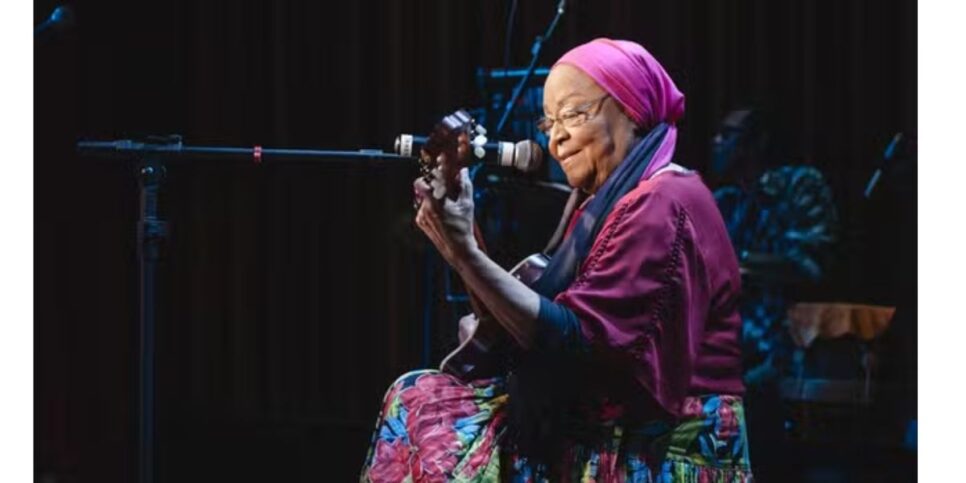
[527,156]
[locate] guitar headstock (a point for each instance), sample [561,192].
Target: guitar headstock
[444,177]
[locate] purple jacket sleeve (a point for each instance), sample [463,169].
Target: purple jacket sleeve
[641,296]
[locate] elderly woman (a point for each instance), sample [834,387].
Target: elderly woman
[631,365]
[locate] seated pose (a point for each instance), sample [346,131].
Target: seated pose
[626,363]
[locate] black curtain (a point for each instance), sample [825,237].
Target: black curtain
[292,295]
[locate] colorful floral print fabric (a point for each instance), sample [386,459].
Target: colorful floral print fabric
[435,428]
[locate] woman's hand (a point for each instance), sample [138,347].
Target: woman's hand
[448,223]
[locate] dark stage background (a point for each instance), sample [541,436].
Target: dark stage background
[293,294]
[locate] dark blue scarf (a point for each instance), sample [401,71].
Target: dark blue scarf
[562,268]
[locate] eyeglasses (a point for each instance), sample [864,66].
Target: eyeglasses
[572,117]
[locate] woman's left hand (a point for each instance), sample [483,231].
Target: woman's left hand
[448,223]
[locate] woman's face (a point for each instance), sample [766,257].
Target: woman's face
[599,135]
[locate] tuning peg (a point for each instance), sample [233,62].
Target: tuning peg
[480,130]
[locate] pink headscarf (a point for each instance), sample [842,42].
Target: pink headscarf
[635,79]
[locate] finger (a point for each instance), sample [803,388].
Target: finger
[425,191]
[421,217]
[429,224]
[421,191]
[430,210]
[438,184]
[424,220]
[441,158]
[418,197]
[428,205]
[453,211]
[421,186]
[466,185]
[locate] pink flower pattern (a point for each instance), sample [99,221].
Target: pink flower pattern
[433,426]
[391,461]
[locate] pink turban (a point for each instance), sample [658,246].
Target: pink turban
[636,80]
[632,76]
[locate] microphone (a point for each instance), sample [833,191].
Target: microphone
[526,156]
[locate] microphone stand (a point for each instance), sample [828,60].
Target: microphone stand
[151,233]
[535,57]
[171,149]
[151,156]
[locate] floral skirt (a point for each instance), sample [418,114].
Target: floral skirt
[435,428]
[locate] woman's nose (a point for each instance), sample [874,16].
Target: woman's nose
[557,136]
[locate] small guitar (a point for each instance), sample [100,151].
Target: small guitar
[483,350]
[485,343]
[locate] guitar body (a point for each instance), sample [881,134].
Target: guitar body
[484,350]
